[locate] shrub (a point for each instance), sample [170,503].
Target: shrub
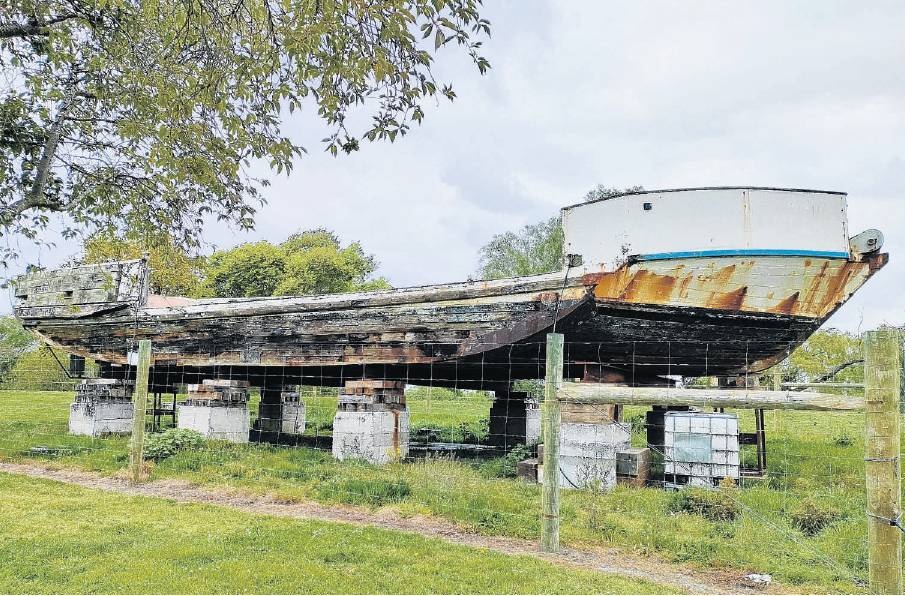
[159,446]
[505,466]
[715,505]
[812,516]
[638,423]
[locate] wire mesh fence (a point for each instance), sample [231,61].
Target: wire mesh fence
[746,489]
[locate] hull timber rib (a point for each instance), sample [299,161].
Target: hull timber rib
[703,312]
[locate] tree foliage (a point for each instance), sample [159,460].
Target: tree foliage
[311,262]
[174,271]
[823,353]
[536,248]
[602,192]
[151,112]
[14,342]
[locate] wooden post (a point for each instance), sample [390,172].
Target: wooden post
[882,378]
[549,537]
[139,406]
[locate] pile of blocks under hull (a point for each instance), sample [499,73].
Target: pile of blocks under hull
[101,407]
[372,422]
[218,409]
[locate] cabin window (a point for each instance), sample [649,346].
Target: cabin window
[68,293]
[648,206]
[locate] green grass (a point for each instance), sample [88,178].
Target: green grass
[59,538]
[811,455]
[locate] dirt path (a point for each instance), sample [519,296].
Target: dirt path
[603,560]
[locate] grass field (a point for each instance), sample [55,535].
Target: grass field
[814,458]
[59,538]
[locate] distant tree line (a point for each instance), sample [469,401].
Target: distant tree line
[536,248]
[309,262]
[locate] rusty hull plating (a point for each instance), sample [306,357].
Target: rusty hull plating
[799,286]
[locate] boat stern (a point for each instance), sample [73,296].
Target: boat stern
[79,292]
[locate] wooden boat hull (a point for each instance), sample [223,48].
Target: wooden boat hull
[696,316]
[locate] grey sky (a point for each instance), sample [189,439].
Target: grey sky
[663,94]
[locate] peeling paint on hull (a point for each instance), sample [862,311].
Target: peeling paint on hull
[700,316]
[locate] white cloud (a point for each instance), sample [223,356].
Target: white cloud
[663,94]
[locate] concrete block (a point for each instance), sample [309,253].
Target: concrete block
[293,418]
[587,454]
[633,461]
[95,417]
[508,420]
[527,470]
[532,422]
[225,422]
[270,417]
[587,473]
[378,437]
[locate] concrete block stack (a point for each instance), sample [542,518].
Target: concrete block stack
[371,422]
[101,407]
[532,421]
[281,411]
[292,413]
[587,453]
[218,409]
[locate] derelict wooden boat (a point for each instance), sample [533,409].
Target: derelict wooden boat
[715,281]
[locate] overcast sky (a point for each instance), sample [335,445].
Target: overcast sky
[662,94]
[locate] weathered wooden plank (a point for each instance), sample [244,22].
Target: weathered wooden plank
[590,393]
[71,297]
[823,385]
[85,280]
[509,290]
[71,311]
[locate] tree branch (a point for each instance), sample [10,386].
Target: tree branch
[8,30]
[35,198]
[837,369]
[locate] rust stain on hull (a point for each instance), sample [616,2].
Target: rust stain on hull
[786,306]
[809,287]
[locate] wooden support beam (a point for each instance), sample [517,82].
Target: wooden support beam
[587,393]
[549,538]
[882,378]
[139,407]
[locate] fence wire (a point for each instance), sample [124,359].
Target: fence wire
[772,492]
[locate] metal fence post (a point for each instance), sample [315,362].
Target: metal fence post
[882,378]
[549,538]
[139,407]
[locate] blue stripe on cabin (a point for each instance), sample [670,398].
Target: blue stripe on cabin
[744,252]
